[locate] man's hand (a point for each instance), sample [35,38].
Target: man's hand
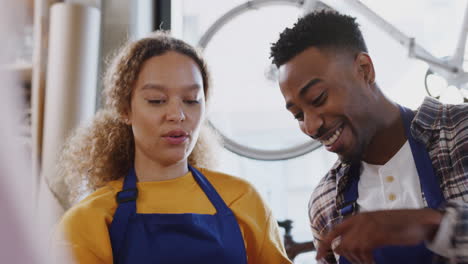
[362,233]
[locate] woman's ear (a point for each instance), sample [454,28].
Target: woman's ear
[366,67]
[126,119]
[125,115]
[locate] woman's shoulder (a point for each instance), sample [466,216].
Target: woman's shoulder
[221,178]
[84,228]
[99,205]
[231,188]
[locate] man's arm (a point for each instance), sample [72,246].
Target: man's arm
[362,233]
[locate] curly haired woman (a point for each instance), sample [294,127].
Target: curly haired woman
[143,155]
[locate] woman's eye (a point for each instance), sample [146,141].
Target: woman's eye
[192,101]
[156,101]
[299,116]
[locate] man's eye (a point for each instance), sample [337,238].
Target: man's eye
[299,116]
[320,99]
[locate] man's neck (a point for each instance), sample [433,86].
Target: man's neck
[388,139]
[150,170]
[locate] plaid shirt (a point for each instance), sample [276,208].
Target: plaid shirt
[444,131]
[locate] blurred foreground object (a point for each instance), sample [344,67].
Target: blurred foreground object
[18,243]
[20,240]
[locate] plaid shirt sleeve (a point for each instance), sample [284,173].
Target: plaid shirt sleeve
[444,129]
[321,208]
[459,239]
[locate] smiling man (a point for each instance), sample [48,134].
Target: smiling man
[398,192]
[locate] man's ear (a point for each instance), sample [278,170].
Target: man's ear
[365,67]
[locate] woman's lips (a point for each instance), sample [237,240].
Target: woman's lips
[175,140]
[176,136]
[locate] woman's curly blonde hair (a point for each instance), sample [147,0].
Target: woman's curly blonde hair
[104,150]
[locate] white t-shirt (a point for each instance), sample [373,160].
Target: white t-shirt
[396,185]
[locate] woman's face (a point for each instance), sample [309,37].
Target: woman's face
[167,108]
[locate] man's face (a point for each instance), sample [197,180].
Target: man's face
[331,97]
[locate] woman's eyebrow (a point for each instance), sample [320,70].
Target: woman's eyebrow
[152,86]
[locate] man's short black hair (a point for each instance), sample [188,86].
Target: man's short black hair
[323,29]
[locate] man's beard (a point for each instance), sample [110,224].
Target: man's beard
[355,155]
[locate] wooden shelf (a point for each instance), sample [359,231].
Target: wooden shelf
[22,70]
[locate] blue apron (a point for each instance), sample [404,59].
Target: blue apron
[432,192]
[175,238]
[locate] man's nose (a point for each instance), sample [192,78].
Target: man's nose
[312,125]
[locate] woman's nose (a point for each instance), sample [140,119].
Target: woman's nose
[175,113]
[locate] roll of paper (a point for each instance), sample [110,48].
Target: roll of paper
[72,71]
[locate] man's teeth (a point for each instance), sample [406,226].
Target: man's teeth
[333,138]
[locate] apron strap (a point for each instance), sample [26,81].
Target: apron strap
[126,208]
[429,182]
[210,192]
[351,193]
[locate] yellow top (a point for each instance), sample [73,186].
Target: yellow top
[85,225]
